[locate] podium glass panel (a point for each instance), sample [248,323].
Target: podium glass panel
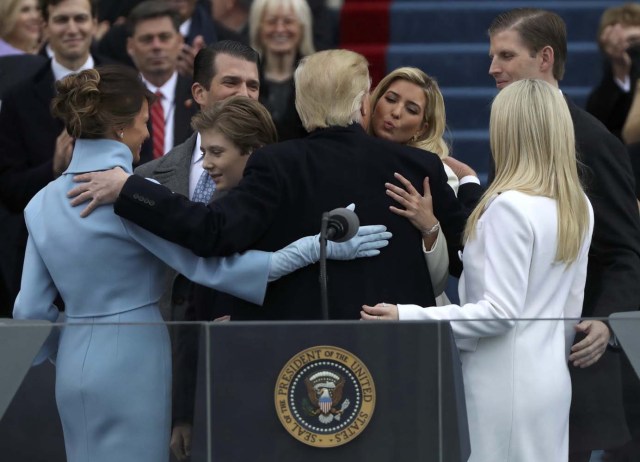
[375,391]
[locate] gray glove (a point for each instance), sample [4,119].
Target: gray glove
[306,251]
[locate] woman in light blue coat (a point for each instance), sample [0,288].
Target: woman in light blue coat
[113,366]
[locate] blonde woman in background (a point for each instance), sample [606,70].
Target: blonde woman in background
[20,27]
[281,31]
[525,260]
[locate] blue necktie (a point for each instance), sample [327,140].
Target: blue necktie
[204,189]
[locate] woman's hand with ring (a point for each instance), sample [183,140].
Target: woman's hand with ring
[379,312]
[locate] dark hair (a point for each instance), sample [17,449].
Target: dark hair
[45,4]
[152,9]
[244,121]
[537,29]
[96,100]
[204,64]
[244,4]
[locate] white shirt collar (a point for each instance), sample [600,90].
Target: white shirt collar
[168,89]
[195,169]
[197,155]
[60,72]
[185,27]
[624,85]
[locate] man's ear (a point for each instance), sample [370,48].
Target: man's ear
[365,111]
[364,105]
[130,46]
[199,93]
[547,59]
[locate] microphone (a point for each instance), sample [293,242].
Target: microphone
[339,225]
[342,225]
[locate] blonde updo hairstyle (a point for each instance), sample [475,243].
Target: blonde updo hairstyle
[96,101]
[244,121]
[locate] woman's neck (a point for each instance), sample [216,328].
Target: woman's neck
[27,46]
[279,67]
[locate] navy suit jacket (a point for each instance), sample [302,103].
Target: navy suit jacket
[634,156]
[201,24]
[597,412]
[614,257]
[609,103]
[28,135]
[15,69]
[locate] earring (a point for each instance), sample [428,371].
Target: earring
[415,137]
[121,134]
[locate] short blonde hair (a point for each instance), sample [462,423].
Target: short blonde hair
[533,146]
[302,12]
[9,10]
[330,88]
[432,139]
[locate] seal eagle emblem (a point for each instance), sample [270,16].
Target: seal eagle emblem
[325,393]
[325,396]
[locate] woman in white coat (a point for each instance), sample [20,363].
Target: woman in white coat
[525,261]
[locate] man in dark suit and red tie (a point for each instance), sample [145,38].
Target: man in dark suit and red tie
[154,45]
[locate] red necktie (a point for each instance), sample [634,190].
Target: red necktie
[157,126]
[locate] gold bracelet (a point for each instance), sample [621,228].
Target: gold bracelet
[434,229]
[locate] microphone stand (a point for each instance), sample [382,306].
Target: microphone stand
[324,296]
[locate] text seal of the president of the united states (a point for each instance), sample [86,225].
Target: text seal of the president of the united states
[325,396]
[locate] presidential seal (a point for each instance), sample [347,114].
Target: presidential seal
[325,396]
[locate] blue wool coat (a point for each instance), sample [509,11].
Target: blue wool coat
[113,366]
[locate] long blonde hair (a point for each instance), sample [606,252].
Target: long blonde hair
[533,146]
[431,139]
